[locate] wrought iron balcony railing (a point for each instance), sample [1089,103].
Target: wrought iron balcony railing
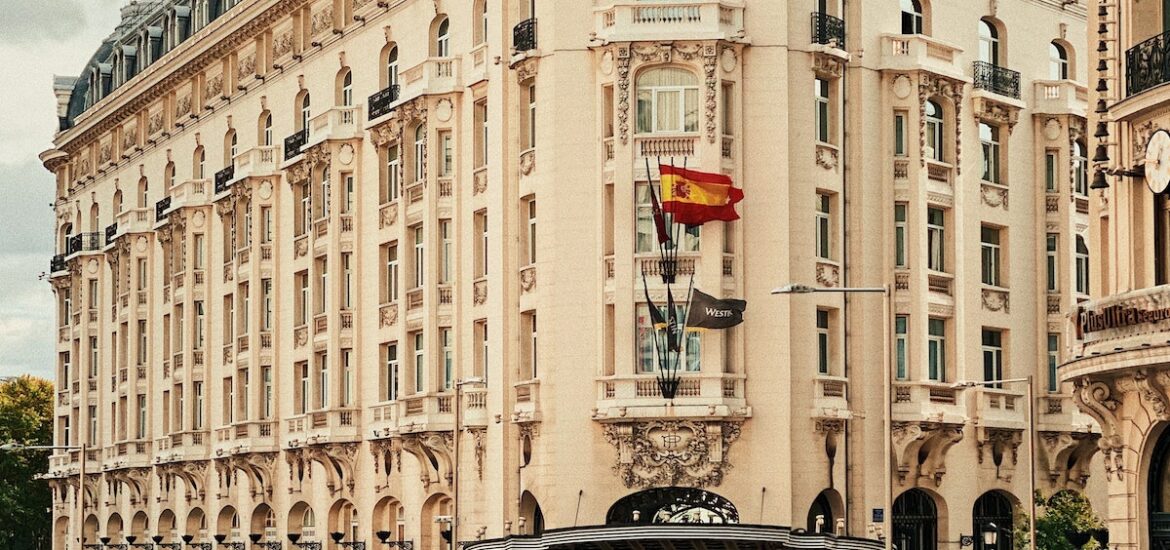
[85,242]
[57,263]
[293,143]
[828,30]
[161,207]
[111,232]
[524,35]
[996,79]
[381,101]
[223,178]
[1147,64]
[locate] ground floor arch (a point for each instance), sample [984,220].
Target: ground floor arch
[672,505]
[531,514]
[389,520]
[994,511]
[826,509]
[915,516]
[263,522]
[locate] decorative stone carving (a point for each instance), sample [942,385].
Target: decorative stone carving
[672,452]
[479,185]
[931,85]
[827,65]
[528,279]
[183,106]
[623,87]
[247,68]
[1067,456]
[921,448]
[527,162]
[387,453]
[153,126]
[479,293]
[828,275]
[996,300]
[994,196]
[712,84]
[388,216]
[827,157]
[282,45]
[1141,137]
[527,69]
[996,113]
[434,451]
[213,88]
[388,316]
[996,443]
[1096,399]
[322,20]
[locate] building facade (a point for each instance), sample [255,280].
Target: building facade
[304,246]
[1118,363]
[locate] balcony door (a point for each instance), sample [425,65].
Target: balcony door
[1158,493]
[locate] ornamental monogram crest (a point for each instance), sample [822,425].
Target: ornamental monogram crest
[672,452]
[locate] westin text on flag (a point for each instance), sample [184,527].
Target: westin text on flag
[695,198]
[707,311]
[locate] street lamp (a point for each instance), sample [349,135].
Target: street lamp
[351,545]
[1027,381]
[13,446]
[266,545]
[454,522]
[158,541]
[220,538]
[132,540]
[196,545]
[887,385]
[295,538]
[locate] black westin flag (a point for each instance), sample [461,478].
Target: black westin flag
[707,311]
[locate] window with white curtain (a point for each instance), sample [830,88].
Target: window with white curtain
[668,101]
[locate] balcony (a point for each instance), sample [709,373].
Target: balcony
[997,80]
[634,20]
[182,446]
[190,193]
[928,401]
[527,401]
[426,412]
[128,454]
[257,436]
[336,123]
[997,408]
[699,396]
[85,242]
[162,208]
[1147,64]
[666,146]
[475,412]
[381,103]
[294,143]
[436,75]
[223,178]
[831,398]
[1059,97]
[327,426]
[257,161]
[134,220]
[524,36]
[57,264]
[910,52]
[827,30]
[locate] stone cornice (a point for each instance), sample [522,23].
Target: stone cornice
[193,55]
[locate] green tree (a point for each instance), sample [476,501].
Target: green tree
[26,416]
[1062,512]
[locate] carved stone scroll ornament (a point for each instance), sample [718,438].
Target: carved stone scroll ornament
[1096,399]
[387,459]
[672,452]
[433,450]
[339,461]
[932,85]
[712,83]
[1067,457]
[623,86]
[921,448]
[999,444]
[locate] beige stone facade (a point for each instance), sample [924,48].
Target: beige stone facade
[1118,362]
[293,243]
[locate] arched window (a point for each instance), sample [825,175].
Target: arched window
[911,17]
[934,131]
[117,202]
[1080,169]
[993,512]
[443,39]
[1057,62]
[420,146]
[392,67]
[266,129]
[306,113]
[481,16]
[308,524]
[230,147]
[169,176]
[915,521]
[988,42]
[200,165]
[143,187]
[345,95]
[668,101]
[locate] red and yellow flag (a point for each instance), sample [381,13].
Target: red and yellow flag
[695,198]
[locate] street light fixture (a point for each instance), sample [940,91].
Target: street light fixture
[220,538]
[132,540]
[266,545]
[887,384]
[295,538]
[351,545]
[1027,381]
[990,535]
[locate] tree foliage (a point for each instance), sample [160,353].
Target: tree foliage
[1061,513]
[26,416]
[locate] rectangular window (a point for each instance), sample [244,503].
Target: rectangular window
[390,383]
[1052,265]
[1080,166]
[322,380]
[305,212]
[347,190]
[142,274]
[245,307]
[1053,361]
[346,378]
[245,393]
[197,422]
[229,401]
[198,252]
[989,137]
[142,343]
[935,239]
[448,358]
[901,347]
[481,331]
[141,431]
[266,304]
[322,290]
[824,235]
[646,234]
[199,324]
[446,252]
[481,134]
[821,92]
[989,242]
[420,365]
[447,152]
[649,340]
[419,258]
[303,388]
[531,248]
[823,349]
[346,280]
[303,297]
[93,356]
[530,322]
[900,235]
[1082,261]
[393,173]
[265,224]
[266,405]
[531,126]
[992,356]
[900,139]
[390,273]
[1050,185]
[481,250]
[936,346]
[728,110]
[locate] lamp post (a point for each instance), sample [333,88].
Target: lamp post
[1027,381]
[132,540]
[384,538]
[266,545]
[158,541]
[219,541]
[196,545]
[80,496]
[887,387]
[351,545]
[454,523]
[295,539]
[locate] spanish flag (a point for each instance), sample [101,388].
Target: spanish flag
[695,198]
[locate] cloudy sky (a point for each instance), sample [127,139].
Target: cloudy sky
[37,40]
